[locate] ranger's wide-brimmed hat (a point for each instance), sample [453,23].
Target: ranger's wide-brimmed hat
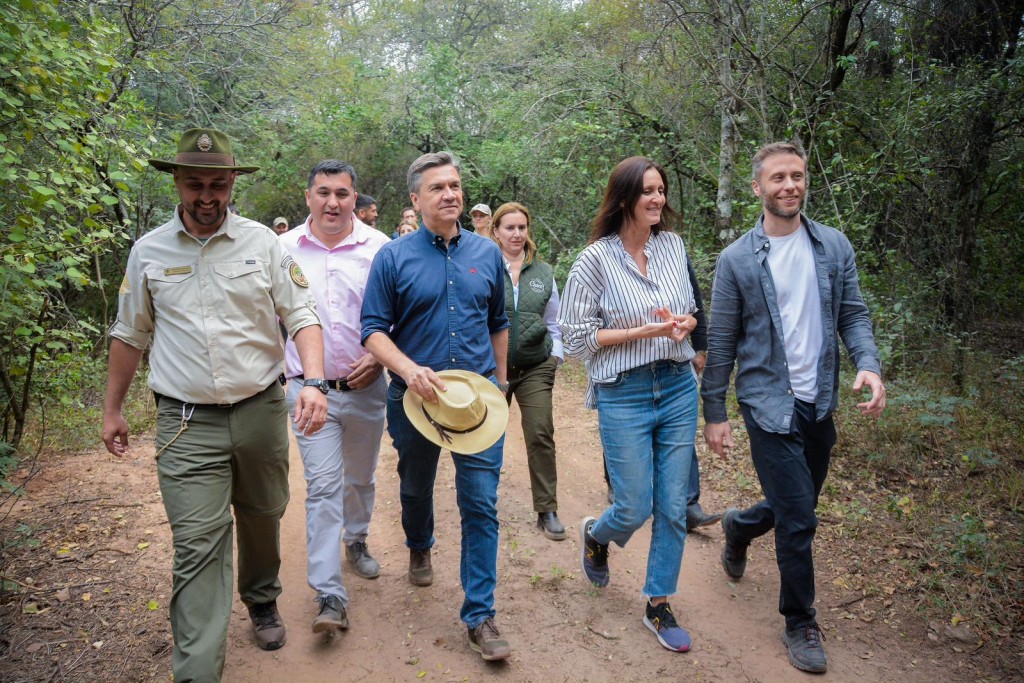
[468,418]
[203,148]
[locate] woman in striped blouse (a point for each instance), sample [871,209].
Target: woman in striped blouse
[627,313]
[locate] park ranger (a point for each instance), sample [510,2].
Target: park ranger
[204,291]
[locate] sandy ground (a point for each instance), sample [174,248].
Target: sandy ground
[88,601]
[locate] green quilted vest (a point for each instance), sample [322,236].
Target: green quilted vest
[529,342]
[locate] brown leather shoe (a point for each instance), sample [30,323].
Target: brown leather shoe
[267,626]
[420,571]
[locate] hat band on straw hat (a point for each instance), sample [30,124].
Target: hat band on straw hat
[444,433]
[204,159]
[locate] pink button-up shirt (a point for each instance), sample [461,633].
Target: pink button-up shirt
[337,280]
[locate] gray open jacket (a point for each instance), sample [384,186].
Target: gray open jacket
[746,327]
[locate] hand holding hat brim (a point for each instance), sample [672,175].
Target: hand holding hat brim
[469,418]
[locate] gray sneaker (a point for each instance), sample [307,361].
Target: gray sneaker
[332,615]
[805,650]
[358,555]
[486,640]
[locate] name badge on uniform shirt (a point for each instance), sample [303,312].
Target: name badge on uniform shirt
[179,270]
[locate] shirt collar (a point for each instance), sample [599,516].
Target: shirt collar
[360,233]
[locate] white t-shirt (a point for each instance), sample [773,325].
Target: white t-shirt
[791,259]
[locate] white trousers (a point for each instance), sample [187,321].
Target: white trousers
[340,463]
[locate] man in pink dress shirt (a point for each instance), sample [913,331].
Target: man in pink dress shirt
[334,249]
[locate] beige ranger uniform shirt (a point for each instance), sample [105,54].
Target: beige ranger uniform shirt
[209,309]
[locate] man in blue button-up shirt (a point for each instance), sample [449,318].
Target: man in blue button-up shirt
[435,300]
[784,293]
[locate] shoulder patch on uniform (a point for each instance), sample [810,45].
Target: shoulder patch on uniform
[125,287]
[297,276]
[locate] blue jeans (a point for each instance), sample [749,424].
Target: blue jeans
[476,488]
[792,469]
[648,421]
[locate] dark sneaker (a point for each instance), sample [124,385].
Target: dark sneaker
[696,517]
[332,615]
[595,555]
[486,640]
[670,634]
[805,650]
[734,554]
[267,626]
[550,526]
[359,557]
[420,571]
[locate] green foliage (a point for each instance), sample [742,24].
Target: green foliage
[68,154]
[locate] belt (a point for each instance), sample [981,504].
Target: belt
[336,384]
[212,405]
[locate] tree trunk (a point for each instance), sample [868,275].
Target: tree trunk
[729,136]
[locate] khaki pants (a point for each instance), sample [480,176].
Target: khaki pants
[532,389]
[235,456]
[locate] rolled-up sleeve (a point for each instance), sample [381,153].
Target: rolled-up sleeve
[723,336]
[134,324]
[293,303]
[579,315]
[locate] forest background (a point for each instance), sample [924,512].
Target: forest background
[911,112]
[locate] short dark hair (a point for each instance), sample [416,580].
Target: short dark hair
[414,177]
[364,201]
[773,149]
[331,167]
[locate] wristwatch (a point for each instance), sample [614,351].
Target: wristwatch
[503,387]
[319,383]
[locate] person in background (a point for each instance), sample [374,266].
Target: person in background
[481,215]
[221,426]
[784,294]
[234,209]
[627,313]
[534,353]
[405,229]
[366,209]
[280,225]
[335,250]
[409,216]
[436,301]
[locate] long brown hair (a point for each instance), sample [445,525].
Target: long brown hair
[530,248]
[625,185]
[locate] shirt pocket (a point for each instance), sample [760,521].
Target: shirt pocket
[172,288]
[244,286]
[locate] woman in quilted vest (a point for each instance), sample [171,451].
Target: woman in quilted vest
[534,352]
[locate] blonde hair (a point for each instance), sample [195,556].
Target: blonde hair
[530,249]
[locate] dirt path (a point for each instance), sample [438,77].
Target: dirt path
[87,579]
[560,627]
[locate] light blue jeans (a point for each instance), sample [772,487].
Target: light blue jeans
[648,421]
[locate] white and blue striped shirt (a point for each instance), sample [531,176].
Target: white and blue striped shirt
[606,290]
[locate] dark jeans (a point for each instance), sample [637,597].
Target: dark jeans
[792,469]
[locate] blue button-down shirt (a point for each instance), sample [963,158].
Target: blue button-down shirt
[746,328]
[439,305]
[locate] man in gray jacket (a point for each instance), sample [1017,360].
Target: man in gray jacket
[784,293]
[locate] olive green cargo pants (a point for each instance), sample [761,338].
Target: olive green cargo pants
[235,456]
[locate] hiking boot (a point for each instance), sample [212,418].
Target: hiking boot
[486,640]
[734,554]
[420,571]
[332,615]
[671,635]
[805,650]
[696,517]
[359,557]
[550,526]
[595,555]
[267,625]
